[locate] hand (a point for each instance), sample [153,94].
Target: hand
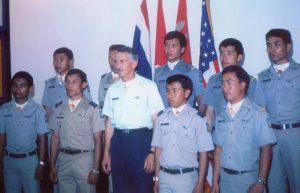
[53,174]
[92,178]
[106,163]
[198,188]
[156,187]
[215,188]
[149,163]
[39,172]
[256,188]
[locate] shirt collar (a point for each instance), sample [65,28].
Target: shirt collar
[281,67]
[74,102]
[235,107]
[172,65]
[178,110]
[21,106]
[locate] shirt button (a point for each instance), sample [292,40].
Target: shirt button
[229,157]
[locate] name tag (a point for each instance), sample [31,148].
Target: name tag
[267,80]
[164,124]
[51,87]
[117,98]
[59,117]
[8,115]
[27,116]
[221,121]
[162,81]
[217,87]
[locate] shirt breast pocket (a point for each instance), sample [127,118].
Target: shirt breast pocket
[83,126]
[187,139]
[244,133]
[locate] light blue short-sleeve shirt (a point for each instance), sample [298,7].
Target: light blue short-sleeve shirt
[242,136]
[130,105]
[22,127]
[181,138]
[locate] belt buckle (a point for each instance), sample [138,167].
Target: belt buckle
[284,126]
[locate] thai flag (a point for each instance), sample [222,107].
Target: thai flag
[141,42]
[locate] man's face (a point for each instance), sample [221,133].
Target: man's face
[20,89]
[233,89]
[74,86]
[111,56]
[177,96]
[61,63]
[229,56]
[277,50]
[173,50]
[125,66]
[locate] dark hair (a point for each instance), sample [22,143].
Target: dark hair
[131,51]
[25,75]
[178,35]
[233,42]
[66,51]
[114,47]
[280,33]
[240,73]
[184,80]
[81,74]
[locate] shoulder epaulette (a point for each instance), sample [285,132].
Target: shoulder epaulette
[200,114]
[93,104]
[103,75]
[57,104]
[160,112]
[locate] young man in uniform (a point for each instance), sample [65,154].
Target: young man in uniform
[242,137]
[280,84]
[22,123]
[174,46]
[181,142]
[231,53]
[76,139]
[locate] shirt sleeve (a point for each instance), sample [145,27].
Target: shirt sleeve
[52,124]
[198,87]
[41,123]
[204,139]
[264,133]
[155,103]
[2,128]
[107,110]
[45,97]
[157,134]
[96,120]
[208,97]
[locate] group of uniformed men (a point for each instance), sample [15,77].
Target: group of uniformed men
[250,126]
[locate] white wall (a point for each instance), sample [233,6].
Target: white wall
[89,27]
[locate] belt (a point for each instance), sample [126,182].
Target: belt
[73,151]
[234,172]
[178,171]
[128,131]
[20,155]
[285,126]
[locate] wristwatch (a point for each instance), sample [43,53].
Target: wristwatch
[42,163]
[155,178]
[261,181]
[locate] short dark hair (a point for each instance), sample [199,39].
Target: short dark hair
[184,80]
[233,42]
[131,51]
[280,33]
[114,47]
[240,73]
[81,74]
[178,35]
[25,75]
[64,50]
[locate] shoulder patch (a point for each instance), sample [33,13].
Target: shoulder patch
[93,104]
[160,112]
[57,104]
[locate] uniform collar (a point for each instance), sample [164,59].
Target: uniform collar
[235,107]
[178,110]
[172,65]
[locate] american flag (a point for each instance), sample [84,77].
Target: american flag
[208,62]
